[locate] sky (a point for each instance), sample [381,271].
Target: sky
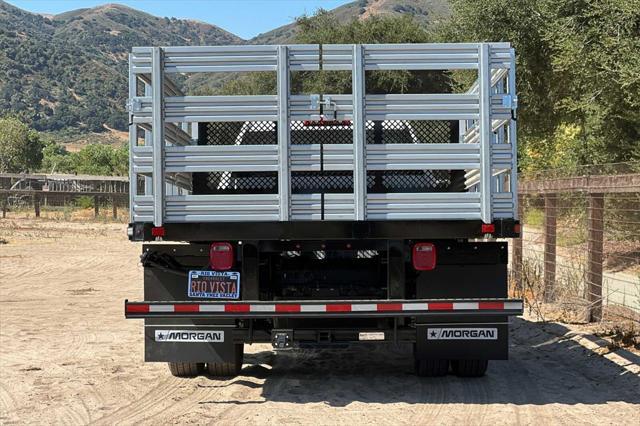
[245,18]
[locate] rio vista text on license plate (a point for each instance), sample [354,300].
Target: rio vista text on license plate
[214,284]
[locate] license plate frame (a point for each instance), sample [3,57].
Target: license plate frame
[214,285]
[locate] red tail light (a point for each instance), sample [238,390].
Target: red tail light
[221,256]
[488,228]
[424,256]
[157,231]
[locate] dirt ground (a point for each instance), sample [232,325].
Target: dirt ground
[68,356]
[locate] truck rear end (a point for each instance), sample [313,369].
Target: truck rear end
[322,219]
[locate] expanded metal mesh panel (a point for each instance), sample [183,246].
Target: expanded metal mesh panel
[238,133]
[326,181]
[394,181]
[140,185]
[405,131]
[301,134]
[235,183]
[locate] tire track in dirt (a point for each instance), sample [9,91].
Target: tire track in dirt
[190,401]
[74,413]
[143,407]
[7,404]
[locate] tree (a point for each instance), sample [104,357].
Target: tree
[522,23]
[577,68]
[103,160]
[325,28]
[56,159]
[595,49]
[20,147]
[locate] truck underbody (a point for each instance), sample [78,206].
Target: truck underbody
[321,292]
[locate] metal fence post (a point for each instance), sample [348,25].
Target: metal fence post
[550,215]
[4,208]
[595,248]
[96,206]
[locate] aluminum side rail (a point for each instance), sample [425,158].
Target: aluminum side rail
[322,309]
[170,158]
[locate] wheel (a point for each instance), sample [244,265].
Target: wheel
[227,369]
[432,367]
[470,367]
[185,369]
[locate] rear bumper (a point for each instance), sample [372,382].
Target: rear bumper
[324,230]
[323,309]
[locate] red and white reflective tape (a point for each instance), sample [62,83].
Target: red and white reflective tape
[292,308]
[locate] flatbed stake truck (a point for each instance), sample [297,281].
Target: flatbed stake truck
[307,219]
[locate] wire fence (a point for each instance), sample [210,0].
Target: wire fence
[67,205]
[60,195]
[579,255]
[578,258]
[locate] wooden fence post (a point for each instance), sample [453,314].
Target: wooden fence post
[550,216]
[36,204]
[5,206]
[516,265]
[96,205]
[595,249]
[114,206]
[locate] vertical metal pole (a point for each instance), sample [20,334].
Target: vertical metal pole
[513,140]
[484,93]
[96,206]
[114,207]
[284,132]
[359,148]
[148,141]
[550,215]
[4,208]
[133,140]
[595,247]
[157,80]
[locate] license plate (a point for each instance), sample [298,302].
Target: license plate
[371,335]
[214,284]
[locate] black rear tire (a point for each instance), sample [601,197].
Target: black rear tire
[470,367]
[432,367]
[227,369]
[186,369]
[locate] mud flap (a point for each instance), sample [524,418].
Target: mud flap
[457,340]
[180,343]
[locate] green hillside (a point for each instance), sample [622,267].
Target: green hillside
[70,71]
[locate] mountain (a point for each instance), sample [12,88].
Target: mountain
[68,72]
[425,11]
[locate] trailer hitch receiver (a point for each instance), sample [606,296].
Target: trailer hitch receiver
[282,339]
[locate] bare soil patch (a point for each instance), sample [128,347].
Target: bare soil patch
[68,356]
